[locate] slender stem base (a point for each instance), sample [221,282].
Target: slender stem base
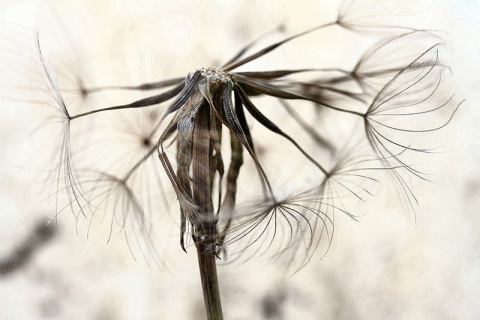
[208,274]
[204,227]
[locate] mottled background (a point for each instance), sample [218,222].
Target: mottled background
[388,265]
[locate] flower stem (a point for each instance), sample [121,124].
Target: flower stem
[208,274]
[204,234]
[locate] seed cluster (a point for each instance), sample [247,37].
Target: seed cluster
[215,74]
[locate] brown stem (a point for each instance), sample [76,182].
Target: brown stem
[208,275]
[204,233]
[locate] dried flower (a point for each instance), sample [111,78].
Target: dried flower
[215,105]
[212,130]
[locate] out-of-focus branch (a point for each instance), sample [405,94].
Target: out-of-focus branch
[23,253]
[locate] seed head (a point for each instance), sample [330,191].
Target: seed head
[207,138]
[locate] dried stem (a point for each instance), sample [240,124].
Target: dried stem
[208,274]
[204,225]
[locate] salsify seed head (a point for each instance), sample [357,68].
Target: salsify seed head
[251,177]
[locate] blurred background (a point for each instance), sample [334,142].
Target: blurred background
[388,265]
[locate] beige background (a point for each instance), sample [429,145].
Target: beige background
[386,266]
